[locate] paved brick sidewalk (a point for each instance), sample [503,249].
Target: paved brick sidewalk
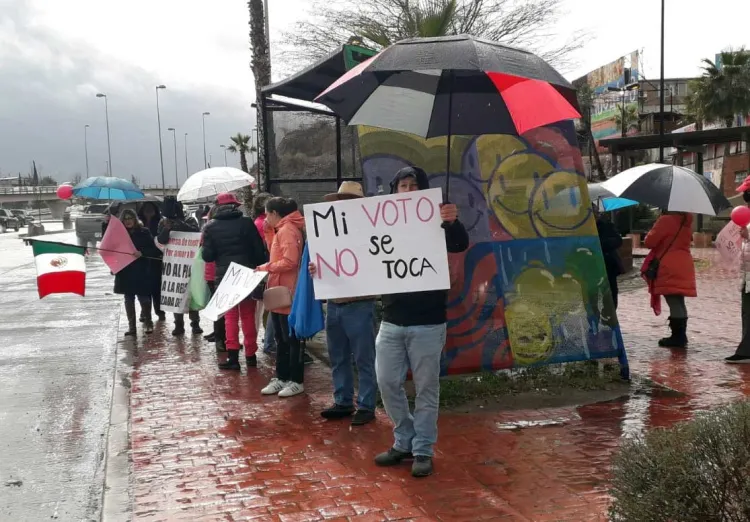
[207,446]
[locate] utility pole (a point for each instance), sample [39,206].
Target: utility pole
[661,90]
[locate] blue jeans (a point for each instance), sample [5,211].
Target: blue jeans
[399,348]
[269,339]
[350,332]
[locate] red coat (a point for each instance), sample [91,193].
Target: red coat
[676,275]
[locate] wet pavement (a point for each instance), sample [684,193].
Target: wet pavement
[207,446]
[56,368]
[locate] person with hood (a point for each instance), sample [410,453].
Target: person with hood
[287,244]
[218,336]
[669,241]
[150,216]
[412,336]
[174,221]
[232,237]
[742,354]
[610,241]
[134,281]
[350,336]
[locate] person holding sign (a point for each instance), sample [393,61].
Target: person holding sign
[412,336]
[350,334]
[174,221]
[283,269]
[232,237]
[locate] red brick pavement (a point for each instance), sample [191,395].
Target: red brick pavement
[207,446]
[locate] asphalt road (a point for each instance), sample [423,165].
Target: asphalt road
[57,359]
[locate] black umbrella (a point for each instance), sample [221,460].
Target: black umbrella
[669,187]
[452,85]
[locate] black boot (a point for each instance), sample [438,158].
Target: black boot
[148,324]
[232,362]
[130,313]
[195,323]
[678,339]
[179,325]
[221,346]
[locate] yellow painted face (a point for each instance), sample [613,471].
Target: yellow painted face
[530,331]
[556,217]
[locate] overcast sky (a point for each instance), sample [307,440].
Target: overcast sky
[56,55]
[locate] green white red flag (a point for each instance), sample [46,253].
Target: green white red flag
[60,268]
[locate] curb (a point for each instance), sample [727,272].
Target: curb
[117,501]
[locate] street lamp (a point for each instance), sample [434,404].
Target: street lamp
[205,162]
[109,145]
[86,147]
[622,90]
[225,154]
[174,139]
[161,152]
[187,172]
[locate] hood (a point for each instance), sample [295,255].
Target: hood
[157,216]
[294,219]
[227,212]
[413,172]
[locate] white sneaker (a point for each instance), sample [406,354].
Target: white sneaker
[274,387]
[292,389]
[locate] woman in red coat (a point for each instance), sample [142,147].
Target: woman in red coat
[669,241]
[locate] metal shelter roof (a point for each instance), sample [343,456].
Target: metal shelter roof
[677,139]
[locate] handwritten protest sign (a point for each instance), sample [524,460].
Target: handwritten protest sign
[235,286]
[179,254]
[729,244]
[380,245]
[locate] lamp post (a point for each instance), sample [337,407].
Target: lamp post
[174,139]
[161,151]
[622,90]
[109,145]
[86,147]
[187,172]
[661,91]
[205,162]
[225,154]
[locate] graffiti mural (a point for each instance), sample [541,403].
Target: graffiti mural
[532,287]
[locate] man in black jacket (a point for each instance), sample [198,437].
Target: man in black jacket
[232,237]
[174,221]
[611,241]
[412,336]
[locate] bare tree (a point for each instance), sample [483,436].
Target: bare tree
[529,24]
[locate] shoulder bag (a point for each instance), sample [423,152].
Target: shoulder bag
[652,270]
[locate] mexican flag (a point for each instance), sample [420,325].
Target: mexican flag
[60,268]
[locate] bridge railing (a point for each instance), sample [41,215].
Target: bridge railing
[47,189]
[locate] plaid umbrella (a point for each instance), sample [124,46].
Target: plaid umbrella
[452,85]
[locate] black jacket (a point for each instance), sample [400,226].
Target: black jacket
[611,241]
[232,237]
[178,225]
[423,308]
[137,278]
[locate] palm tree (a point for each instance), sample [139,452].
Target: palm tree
[429,19]
[631,118]
[240,145]
[261,67]
[723,91]
[586,102]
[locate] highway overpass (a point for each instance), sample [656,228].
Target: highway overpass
[48,194]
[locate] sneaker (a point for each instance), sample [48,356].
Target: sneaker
[274,387]
[738,359]
[292,389]
[251,361]
[197,330]
[306,359]
[422,466]
[392,457]
[362,417]
[337,411]
[269,350]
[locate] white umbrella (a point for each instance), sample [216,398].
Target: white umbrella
[211,182]
[669,187]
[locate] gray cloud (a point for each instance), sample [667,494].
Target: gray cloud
[47,95]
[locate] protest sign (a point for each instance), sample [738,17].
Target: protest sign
[116,247]
[729,244]
[380,245]
[179,254]
[235,286]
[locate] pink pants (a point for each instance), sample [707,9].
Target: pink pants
[244,313]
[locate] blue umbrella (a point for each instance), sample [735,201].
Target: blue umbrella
[306,318]
[611,204]
[101,187]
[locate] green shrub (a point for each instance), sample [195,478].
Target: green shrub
[695,471]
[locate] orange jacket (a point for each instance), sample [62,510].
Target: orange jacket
[286,253]
[676,275]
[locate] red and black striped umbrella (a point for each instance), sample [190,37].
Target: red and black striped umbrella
[456,85]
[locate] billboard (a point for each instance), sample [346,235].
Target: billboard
[616,74]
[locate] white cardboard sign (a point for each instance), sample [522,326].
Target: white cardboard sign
[179,255]
[379,245]
[236,285]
